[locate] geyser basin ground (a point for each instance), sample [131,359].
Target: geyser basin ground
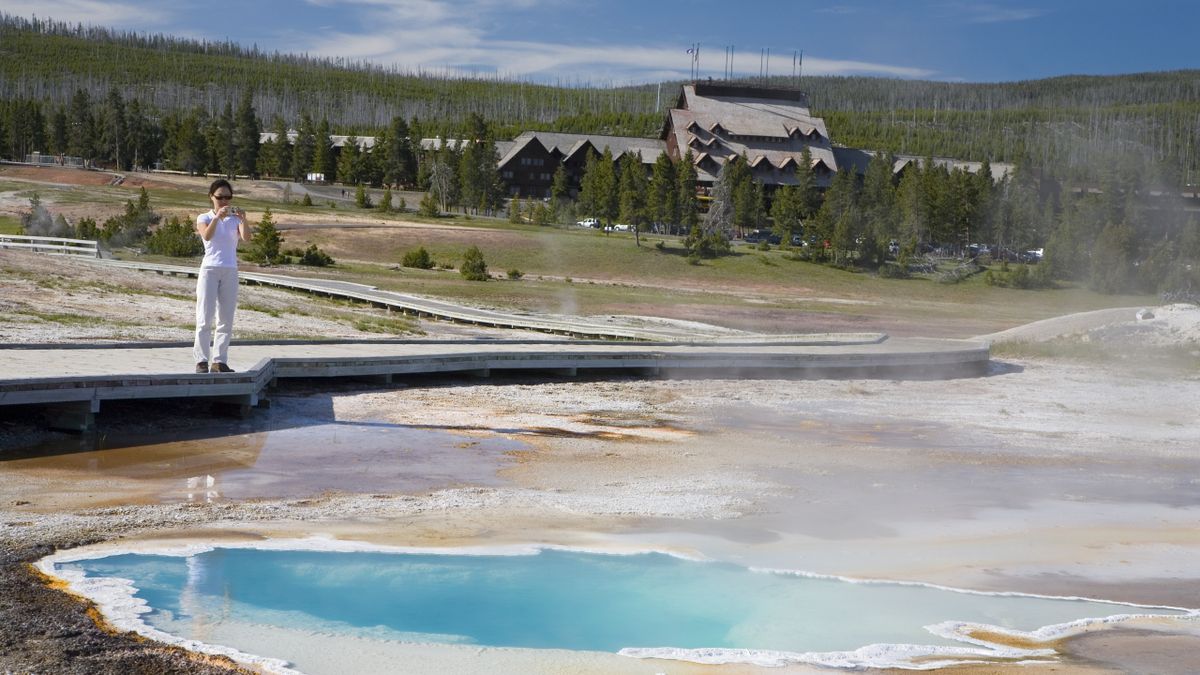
[647,604]
[1056,480]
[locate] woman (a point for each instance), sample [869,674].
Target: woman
[217,285]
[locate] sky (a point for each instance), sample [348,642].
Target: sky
[619,42]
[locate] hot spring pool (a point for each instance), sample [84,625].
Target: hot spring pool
[645,604]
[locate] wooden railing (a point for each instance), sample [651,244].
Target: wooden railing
[56,245]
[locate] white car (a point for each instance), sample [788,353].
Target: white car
[589,222]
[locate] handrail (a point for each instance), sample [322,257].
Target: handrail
[61,245]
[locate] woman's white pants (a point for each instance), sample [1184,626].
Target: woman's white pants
[216,298]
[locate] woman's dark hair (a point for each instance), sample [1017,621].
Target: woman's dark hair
[219,183]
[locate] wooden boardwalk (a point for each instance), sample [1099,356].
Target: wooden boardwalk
[71,382]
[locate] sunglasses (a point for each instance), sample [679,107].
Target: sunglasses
[222,198]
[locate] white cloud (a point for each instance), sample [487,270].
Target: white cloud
[432,34]
[986,12]
[453,46]
[837,9]
[466,35]
[90,12]
[817,66]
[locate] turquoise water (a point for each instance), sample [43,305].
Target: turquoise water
[557,599]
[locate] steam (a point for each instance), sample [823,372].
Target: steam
[40,223]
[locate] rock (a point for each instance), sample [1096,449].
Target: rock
[1144,315]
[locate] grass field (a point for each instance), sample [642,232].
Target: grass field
[571,270]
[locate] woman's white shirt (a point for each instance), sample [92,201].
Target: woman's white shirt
[221,250]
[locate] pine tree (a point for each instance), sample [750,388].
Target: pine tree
[398,163]
[185,143]
[442,184]
[632,199]
[429,205]
[246,137]
[806,185]
[305,151]
[1112,268]
[361,199]
[224,142]
[471,188]
[689,205]
[281,151]
[541,214]
[662,200]
[878,204]
[560,193]
[81,127]
[145,137]
[473,267]
[607,195]
[348,165]
[114,134]
[785,211]
[840,200]
[324,161]
[983,214]
[265,243]
[721,211]
[58,133]
[747,202]
[385,202]
[845,232]
[710,237]
[589,188]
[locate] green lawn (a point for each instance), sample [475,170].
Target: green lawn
[573,270]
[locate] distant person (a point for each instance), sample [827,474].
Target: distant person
[217,285]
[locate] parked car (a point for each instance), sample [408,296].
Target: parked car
[755,236]
[589,222]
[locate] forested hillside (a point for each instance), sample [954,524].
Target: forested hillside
[49,62]
[1074,126]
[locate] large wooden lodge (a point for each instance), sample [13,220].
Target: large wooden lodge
[717,121]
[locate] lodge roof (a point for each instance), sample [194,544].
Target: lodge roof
[335,141]
[570,145]
[770,127]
